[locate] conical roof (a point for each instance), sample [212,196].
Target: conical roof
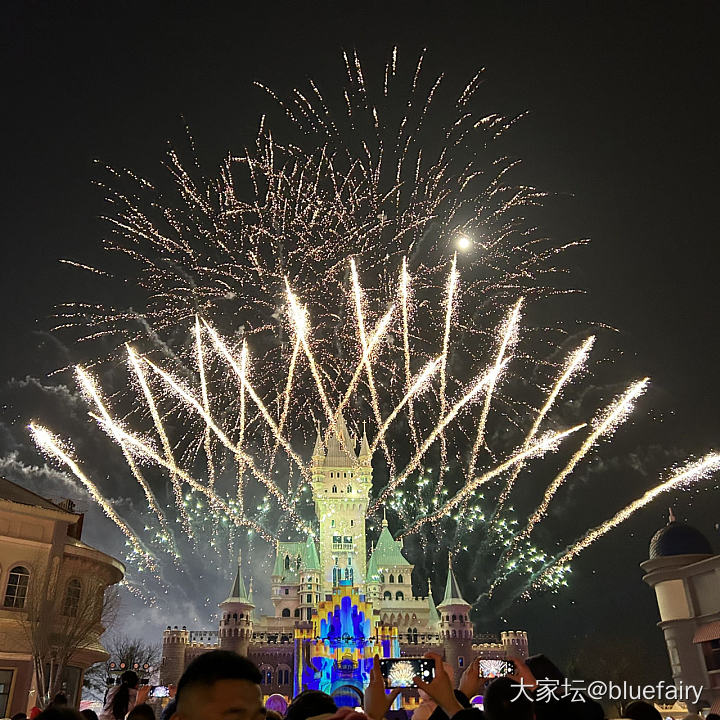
[238,594]
[364,447]
[310,557]
[387,552]
[319,450]
[453,596]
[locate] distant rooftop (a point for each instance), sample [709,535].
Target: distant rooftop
[16,493]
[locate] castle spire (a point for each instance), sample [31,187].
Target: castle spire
[453,596]
[434,617]
[364,447]
[319,451]
[384,520]
[237,591]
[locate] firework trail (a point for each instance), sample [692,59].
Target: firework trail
[50,444]
[576,360]
[691,473]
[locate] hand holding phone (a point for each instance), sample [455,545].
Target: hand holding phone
[160,691]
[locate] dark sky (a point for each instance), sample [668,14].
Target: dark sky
[623,124]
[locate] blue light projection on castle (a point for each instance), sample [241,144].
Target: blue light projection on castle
[337,653]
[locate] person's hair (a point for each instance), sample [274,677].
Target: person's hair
[273,715]
[712,716]
[640,710]
[208,668]
[503,701]
[89,714]
[169,709]
[59,700]
[543,668]
[121,701]
[141,712]
[310,703]
[59,712]
[19,716]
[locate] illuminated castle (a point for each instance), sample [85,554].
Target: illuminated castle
[335,607]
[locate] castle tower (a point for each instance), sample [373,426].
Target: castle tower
[174,644]
[341,482]
[236,623]
[456,630]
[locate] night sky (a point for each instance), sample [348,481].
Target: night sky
[622,125]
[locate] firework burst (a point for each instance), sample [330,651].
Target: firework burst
[315,279]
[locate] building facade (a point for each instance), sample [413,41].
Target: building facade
[41,550]
[334,605]
[685,574]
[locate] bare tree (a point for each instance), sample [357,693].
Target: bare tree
[126,653]
[60,620]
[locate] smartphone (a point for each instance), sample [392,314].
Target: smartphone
[399,672]
[160,691]
[496,668]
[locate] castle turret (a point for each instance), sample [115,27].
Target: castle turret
[174,645]
[236,624]
[515,643]
[456,630]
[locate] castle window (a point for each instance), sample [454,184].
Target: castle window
[349,560]
[392,578]
[297,612]
[349,489]
[400,579]
[17,587]
[453,618]
[332,475]
[309,614]
[332,523]
[348,540]
[287,591]
[286,612]
[352,576]
[72,598]
[347,574]
[399,596]
[344,474]
[337,539]
[461,661]
[309,599]
[287,562]
[352,522]
[334,488]
[268,677]
[387,595]
[382,578]
[234,616]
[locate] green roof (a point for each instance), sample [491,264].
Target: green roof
[238,594]
[453,596]
[387,554]
[306,551]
